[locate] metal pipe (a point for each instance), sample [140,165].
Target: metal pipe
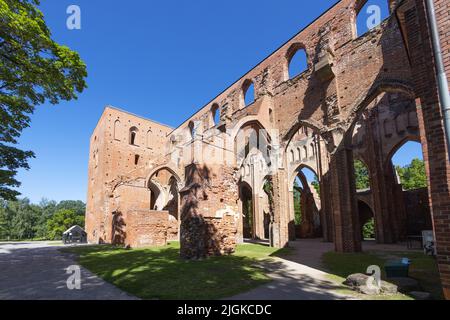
[443,90]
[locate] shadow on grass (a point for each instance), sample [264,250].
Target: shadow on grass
[160,273]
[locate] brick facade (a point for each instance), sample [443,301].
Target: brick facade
[359,98]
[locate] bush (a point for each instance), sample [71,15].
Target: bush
[369,229]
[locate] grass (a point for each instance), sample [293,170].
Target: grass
[423,268]
[159,273]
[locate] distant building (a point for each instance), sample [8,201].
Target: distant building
[75,234]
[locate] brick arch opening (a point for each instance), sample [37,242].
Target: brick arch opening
[383,123]
[163,184]
[366,220]
[305,216]
[405,163]
[133,136]
[247,211]
[215,115]
[296,61]
[251,135]
[248,95]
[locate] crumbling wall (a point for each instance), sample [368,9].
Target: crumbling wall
[146,228]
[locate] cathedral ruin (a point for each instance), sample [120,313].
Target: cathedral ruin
[227,173]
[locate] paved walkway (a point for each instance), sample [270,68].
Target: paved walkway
[37,271]
[298,276]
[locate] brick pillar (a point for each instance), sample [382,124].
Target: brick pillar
[417,37]
[327,209]
[343,196]
[381,185]
[325,194]
[281,216]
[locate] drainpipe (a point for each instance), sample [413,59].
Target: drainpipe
[441,75]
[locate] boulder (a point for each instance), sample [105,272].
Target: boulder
[358,282]
[388,288]
[371,291]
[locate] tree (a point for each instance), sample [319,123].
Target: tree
[78,206]
[61,221]
[33,69]
[413,176]
[297,203]
[361,175]
[316,184]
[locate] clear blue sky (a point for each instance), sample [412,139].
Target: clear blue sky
[159,59]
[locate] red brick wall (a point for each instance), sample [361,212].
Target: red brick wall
[146,228]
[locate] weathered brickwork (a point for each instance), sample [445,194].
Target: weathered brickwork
[220,180]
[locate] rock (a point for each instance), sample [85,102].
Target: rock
[371,291]
[419,295]
[356,280]
[406,285]
[388,288]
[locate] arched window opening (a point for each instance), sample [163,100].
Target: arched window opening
[215,115]
[410,166]
[248,90]
[306,215]
[136,159]
[192,130]
[305,152]
[292,156]
[117,130]
[298,62]
[133,136]
[369,15]
[362,178]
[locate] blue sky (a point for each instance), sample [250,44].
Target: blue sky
[159,59]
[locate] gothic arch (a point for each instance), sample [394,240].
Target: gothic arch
[365,99]
[163,167]
[399,145]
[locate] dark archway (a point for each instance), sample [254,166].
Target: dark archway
[246,198]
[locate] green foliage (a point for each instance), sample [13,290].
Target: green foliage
[21,220]
[33,69]
[316,184]
[361,175]
[369,229]
[297,204]
[62,220]
[413,176]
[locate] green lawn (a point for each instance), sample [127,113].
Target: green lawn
[159,273]
[423,268]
